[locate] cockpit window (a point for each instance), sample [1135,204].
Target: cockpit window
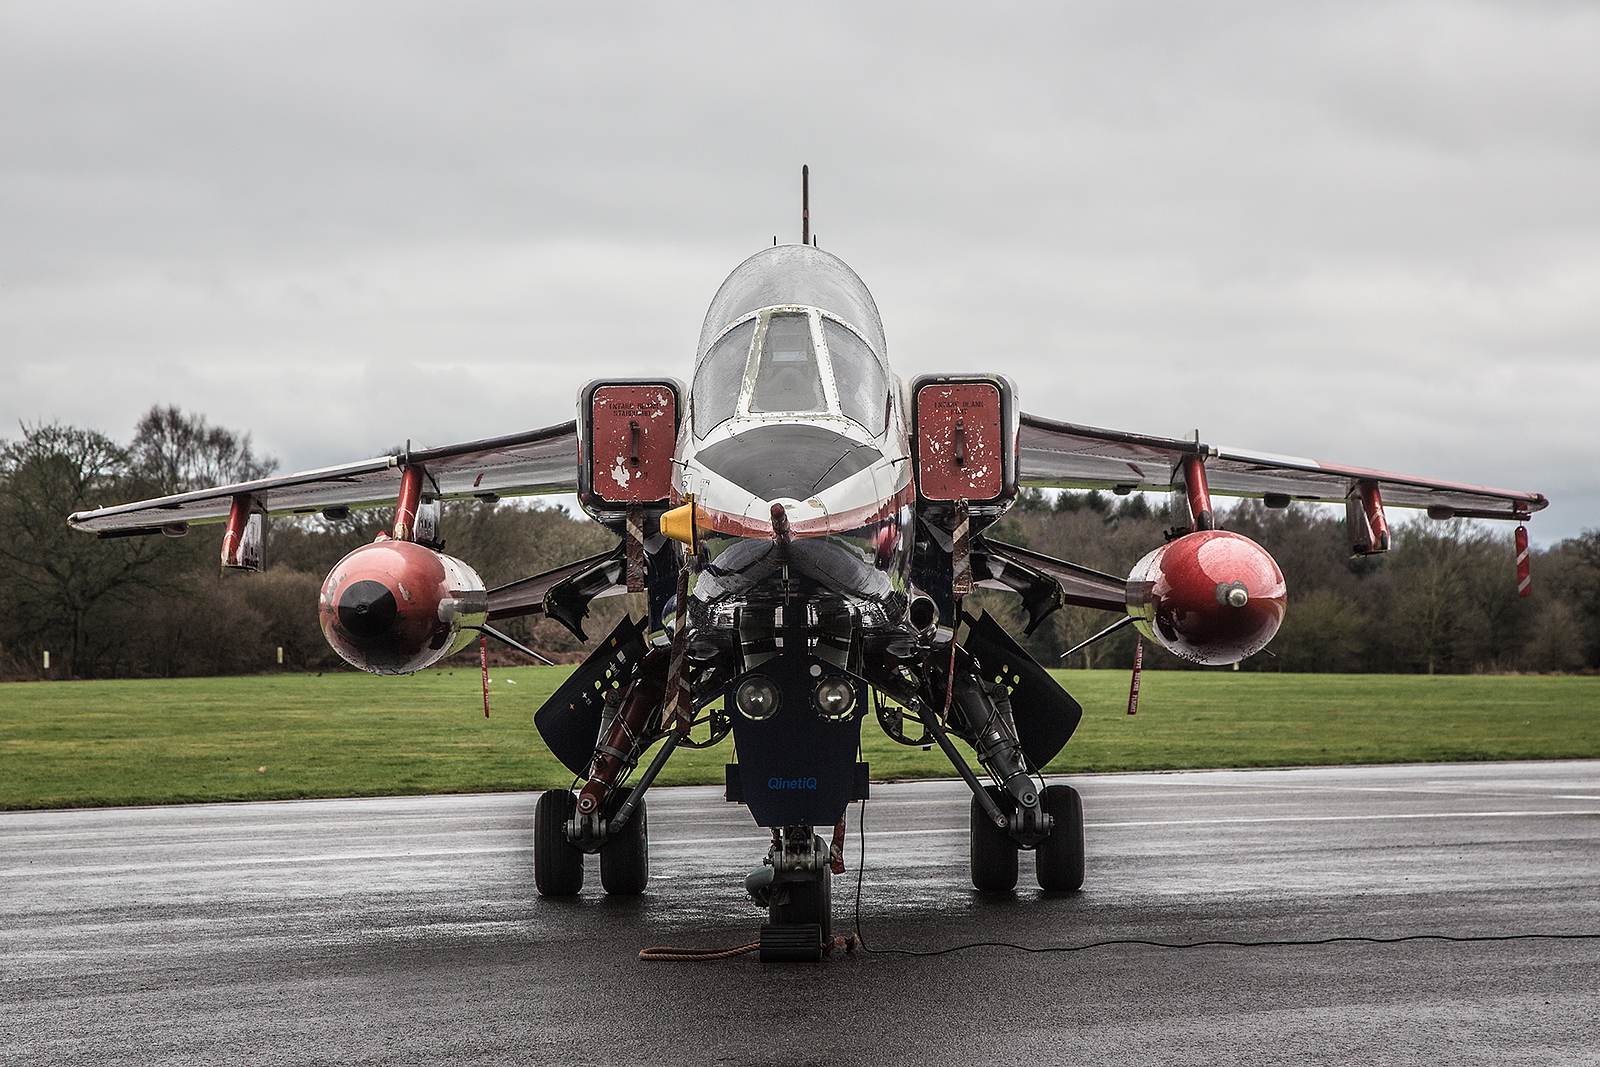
[720,378]
[795,276]
[858,377]
[787,378]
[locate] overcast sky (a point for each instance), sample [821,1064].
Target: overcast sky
[1359,232]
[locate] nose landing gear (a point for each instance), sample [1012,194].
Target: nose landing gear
[795,886]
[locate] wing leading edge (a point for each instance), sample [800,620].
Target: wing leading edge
[1062,455]
[523,464]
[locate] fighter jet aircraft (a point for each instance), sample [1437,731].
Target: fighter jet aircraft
[805,526]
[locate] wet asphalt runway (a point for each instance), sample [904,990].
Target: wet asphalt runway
[408,931]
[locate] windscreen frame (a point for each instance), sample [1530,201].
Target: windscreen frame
[818,324]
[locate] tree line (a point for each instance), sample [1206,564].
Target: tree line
[1443,600]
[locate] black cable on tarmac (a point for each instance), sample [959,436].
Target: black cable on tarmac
[861,867]
[858,940]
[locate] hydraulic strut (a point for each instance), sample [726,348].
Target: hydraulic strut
[625,732]
[988,724]
[987,708]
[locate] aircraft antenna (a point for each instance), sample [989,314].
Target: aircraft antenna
[805,205]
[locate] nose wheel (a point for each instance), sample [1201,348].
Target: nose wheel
[796,887]
[805,903]
[801,920]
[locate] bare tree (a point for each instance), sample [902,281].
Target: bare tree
[179,452]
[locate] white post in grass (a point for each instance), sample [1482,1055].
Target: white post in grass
[47,661]
[280,655]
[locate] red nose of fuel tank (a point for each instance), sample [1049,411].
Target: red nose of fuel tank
[393,607]
[1209,597]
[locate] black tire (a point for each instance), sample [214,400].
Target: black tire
[625,857]
[809,902]
[994,853]
[1059,857]
[557,862]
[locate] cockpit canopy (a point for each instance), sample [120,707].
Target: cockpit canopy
[794,276]
[790,360]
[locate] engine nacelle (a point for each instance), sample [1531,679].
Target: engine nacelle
[1209,597]
[393,607]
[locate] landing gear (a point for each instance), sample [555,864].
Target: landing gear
[808,902]
[796,886]
[994,851]
[625,857]
[557,862]
[802,924]
[1059,857]
[606,818]
[1014,814]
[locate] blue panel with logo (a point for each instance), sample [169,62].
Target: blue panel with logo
[796,767]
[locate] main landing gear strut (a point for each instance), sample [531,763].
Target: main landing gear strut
[603,817]
[1015,814]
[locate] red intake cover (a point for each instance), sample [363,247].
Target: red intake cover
[634,431]
[393,607]
[960,443]
[1209,597]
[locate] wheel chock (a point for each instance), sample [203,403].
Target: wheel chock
[791,942]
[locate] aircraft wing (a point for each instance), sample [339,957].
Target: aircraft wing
[527,596]
[1062,455]
[523,464]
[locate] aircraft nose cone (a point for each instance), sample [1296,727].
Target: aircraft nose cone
[367,609]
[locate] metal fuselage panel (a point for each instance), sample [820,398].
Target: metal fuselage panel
[793,404]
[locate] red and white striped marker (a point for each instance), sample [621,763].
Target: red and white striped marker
[677,712]
[483,657]
[1138,665]
[1524,582]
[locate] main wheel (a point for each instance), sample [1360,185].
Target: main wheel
[625,857]
[994,853]
[809,902]
[557,862]
[1059,857]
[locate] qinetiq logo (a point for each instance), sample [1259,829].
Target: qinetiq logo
[791,783]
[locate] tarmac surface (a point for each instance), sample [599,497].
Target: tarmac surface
[407,931]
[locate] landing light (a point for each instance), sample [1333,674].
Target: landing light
[835,697]
[756,698]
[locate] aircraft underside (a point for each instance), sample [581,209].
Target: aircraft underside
[792,674]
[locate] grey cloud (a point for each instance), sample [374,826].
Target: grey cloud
[1360,231]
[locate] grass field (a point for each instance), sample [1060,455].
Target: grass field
[74,744]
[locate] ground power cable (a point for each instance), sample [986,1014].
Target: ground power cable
[861,942]
[858,942]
